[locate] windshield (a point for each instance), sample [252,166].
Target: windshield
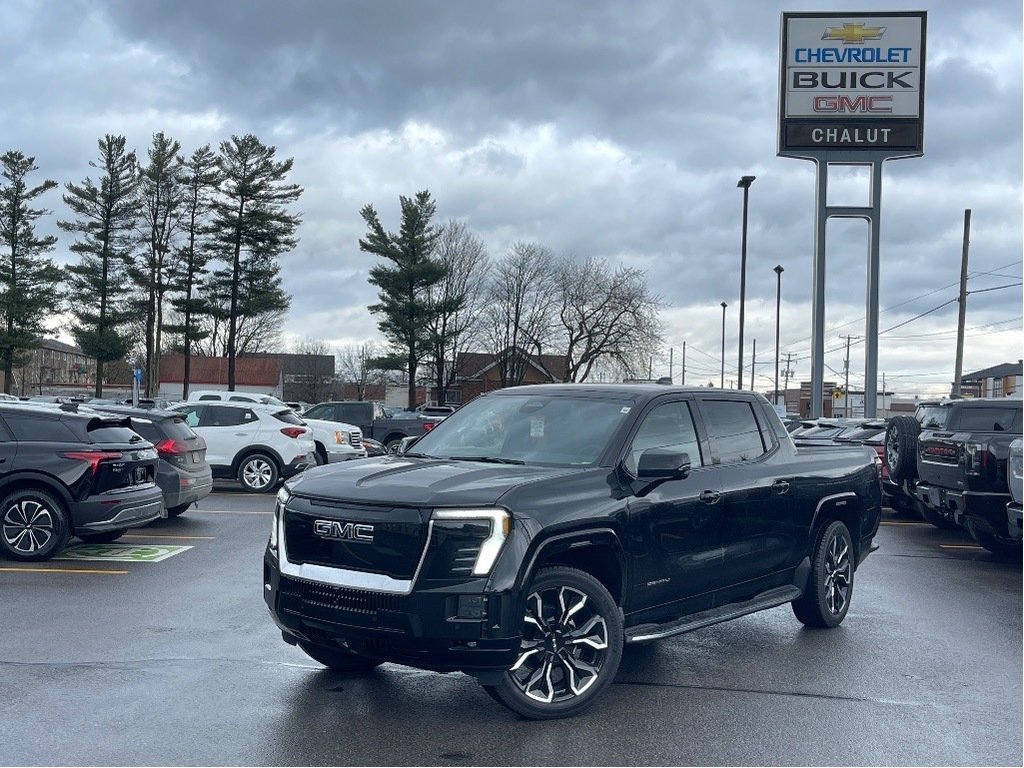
[527,429]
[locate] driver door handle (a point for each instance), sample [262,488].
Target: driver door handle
[710,497]
[780,486]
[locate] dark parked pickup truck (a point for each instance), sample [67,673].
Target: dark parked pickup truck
[962,468]
[537,529]
[376,421]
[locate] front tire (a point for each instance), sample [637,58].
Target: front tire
[826,599]
[339,660]
[258,473]
[33,526]
[571,647]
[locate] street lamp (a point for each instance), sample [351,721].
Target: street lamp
[743,183]
[778,304]
[721,383]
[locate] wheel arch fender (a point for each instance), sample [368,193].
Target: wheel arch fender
[846,507]
[30,479]
[597,551]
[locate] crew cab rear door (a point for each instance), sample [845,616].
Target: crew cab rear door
[752,490]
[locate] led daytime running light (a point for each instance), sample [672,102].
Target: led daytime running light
[501,524]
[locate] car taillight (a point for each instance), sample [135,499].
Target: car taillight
[427,426]
[293,431]
[975,458]
[93,457]
[171,447]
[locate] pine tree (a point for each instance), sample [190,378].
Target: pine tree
[406,311]
[251,224]
[30,289]
[200,178]
[106,218]
[162,197]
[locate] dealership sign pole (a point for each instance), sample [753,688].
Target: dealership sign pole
[851,92]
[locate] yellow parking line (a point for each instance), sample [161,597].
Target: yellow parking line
[61,570]
[961,546]
[166,536]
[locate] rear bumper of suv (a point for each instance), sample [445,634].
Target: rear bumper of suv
[181,487]
[985,510]
[118,509]
[421,629]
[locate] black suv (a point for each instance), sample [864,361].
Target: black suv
[64,473]
[183,474]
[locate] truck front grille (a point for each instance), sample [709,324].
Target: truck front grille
[344,599]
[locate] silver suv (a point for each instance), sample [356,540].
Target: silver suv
[258,445]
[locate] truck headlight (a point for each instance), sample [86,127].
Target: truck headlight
[474,538]
[340,438]
[282,498]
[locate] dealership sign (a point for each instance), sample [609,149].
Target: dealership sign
[852,82]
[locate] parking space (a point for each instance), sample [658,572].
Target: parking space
[176,661]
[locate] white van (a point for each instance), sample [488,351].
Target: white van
[335,440]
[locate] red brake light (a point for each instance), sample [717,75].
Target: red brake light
[171,447]
[427,426]
[293,431]
[93,457]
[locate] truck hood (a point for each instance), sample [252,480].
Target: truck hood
[398,480]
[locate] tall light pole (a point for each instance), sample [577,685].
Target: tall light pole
[778,304]
[744,183]
[721,383]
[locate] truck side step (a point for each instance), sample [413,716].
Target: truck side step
[770,599]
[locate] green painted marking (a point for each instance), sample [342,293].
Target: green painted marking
[122,553]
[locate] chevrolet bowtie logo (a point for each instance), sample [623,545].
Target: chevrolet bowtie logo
[853,34]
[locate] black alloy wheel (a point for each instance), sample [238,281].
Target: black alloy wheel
[33,525]
[826,600]
[570,650]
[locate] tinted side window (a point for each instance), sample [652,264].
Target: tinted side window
[732,431]
[223,416]
[193,414]
[325,412]
[987,419]
[242,399]
[353,414]
[37,430]
[669,425]
[209,397]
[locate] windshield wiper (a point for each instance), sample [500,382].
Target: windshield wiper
[414,455]
[491,459]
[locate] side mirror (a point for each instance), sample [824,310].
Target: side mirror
[663,464]
[403,445]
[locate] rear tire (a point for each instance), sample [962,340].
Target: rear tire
[258,473]
[106,537]
[826,599]
[571,647]
[177,511]
[1001,547]
[339,660]
[935,517]
[33,526]
[901,447]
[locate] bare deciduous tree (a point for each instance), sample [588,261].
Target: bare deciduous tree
[357,364]
[312,377]
[458,296]
[607,316]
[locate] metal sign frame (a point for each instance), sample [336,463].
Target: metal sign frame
[870,155]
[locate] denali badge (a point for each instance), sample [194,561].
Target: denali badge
[335,529]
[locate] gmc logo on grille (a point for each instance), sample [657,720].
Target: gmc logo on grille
[335,529]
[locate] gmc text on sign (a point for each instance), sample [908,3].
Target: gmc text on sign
[852,81]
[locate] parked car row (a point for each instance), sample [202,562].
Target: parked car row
[955,462]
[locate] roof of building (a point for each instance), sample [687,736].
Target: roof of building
[474,364]
[996,371]
[249,371]
[60,346]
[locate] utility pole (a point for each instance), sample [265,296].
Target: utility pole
[684,364]
[753,359]
[963,305]
[787,372]
[670,351]
[883,392]
[846,393]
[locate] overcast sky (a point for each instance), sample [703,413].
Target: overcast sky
[605,129]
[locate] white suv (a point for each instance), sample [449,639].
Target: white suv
[256,444]
[334,440]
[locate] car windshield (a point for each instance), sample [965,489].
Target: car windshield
[527,429]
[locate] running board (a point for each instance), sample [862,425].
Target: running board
[773,597]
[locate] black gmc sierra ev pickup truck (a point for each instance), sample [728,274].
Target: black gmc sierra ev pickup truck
[962,469]
[536,530]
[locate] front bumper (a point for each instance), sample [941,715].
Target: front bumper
[420,629]
[339,453]
[118,509]
[986,510]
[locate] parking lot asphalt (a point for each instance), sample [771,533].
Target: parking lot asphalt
[176,661]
